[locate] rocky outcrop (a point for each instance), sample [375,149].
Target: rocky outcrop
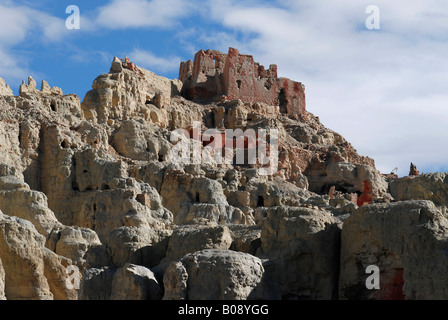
[16,199]
[406,240]
[97,204]
[302,246]
[191,238]
[214,275]
[5,90]
[134,282]
[428,186]
[29,270]
[123,94]
[30,88]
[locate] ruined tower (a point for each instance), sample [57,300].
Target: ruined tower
[214,76]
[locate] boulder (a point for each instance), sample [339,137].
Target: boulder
[73,242]
[17,200]
[96,283]
[134,282]
[302,246]
[191,238]
[138,245]
[213,274]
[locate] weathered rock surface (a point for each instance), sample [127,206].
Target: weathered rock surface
[16,199]
[123,94]
[428,186]
[138,245]
[134,282]
[213,274]
[406,240]
[5,90]
[96,283]
[191,238]
[2,282]
[30,271]
[93,193]
[302,246]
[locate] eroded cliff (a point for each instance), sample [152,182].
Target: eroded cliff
[90,191]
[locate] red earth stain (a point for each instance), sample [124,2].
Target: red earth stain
[392,288]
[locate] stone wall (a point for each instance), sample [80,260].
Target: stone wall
[215,76]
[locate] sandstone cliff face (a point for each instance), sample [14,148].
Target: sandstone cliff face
[95,206]
[407,240]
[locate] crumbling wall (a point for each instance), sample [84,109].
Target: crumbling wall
[216,76]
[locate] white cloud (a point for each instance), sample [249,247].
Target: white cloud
[150,61]
[10,68]
[141,13]
[19,24]
[13,25]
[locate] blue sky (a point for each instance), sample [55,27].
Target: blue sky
[385,91]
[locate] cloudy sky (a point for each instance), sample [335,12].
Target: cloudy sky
[385,90]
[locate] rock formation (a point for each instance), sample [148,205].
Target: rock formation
[413,170]
[5,90]
[95,203]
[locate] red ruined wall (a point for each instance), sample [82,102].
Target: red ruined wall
[367,195]
[214,75]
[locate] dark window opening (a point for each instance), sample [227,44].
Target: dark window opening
[75,186]
[53,106]
[64,144]
[260,201]
[197,198]
[238,83]
[283,102]
[20,135]
[268,85]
